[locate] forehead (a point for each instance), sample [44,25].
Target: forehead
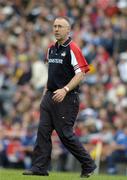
[61,22]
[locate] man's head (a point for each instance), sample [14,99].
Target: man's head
[61,28]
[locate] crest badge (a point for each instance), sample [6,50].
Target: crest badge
[63,54]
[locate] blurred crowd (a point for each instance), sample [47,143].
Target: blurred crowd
[99,27]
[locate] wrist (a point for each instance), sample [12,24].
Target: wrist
[66,89]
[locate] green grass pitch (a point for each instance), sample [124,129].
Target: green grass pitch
[17,175]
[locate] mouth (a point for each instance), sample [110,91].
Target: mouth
[57,34]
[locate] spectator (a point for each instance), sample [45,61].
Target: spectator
[118,151]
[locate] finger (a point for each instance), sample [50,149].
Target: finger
[57,98]
[55,91]
[61,100]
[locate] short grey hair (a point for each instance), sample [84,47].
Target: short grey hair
[65,18]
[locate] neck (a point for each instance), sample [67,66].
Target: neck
[62,41]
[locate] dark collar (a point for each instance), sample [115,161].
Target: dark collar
[66,43]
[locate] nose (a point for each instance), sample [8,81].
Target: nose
[56,28]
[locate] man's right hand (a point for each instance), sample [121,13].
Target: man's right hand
[59,95]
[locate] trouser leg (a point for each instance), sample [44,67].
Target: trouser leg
[64,115]
[72,143]
[42,150]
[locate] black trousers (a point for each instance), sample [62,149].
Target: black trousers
[61,117]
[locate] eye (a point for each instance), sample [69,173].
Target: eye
[58,26]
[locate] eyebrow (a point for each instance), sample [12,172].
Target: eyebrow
[59,25]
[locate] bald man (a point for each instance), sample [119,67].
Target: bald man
[60,103]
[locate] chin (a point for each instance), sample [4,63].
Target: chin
[58,39]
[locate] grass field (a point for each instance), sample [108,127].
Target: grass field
[17,175]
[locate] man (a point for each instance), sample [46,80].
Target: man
[60,104]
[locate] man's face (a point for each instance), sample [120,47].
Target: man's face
[61,29]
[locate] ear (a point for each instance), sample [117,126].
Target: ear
[68,29]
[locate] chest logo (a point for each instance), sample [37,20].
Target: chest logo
[63,54]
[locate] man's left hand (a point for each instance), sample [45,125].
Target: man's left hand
[59,95]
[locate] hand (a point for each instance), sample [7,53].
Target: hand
[59,95]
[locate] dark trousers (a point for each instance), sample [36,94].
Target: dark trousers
[61,117]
